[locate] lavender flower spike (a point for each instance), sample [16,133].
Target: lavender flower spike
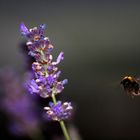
[46,74]
[46,81]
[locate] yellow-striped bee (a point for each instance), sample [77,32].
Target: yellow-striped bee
[131,85]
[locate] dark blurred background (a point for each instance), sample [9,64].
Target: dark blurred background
[101,42]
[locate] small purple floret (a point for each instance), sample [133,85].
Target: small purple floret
[50,80]
[59,111]
[24,30]
[32,87]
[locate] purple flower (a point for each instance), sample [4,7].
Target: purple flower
[32,86]
[58,111]
[24,30]
[50,80]
[49,90]
[46,74]
[36,66]
[33,34]
[37,42]
[65,81]
[19,107]
[41,80]
[59,58]
[42,26]
[49,48]
[60,86]
[46,78]
[42,43]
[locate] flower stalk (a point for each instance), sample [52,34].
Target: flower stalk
[46,75]
[64,129]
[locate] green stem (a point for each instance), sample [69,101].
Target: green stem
[54,99]
[64,129]
[62,124]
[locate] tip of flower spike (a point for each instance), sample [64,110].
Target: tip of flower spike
[42,26]
[24,30]
[65,81]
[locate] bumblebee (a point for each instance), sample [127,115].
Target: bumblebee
[131,85]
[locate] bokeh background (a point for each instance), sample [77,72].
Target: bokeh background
[101,41]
